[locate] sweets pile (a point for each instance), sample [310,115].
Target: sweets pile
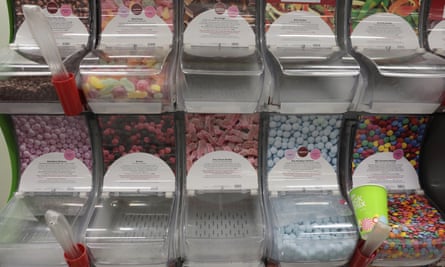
[386,134]
[39,135]
[154,134]
[313,233]
[418,231]
[27,88]
[237,133]
[314,131]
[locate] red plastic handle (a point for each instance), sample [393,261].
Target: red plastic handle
[360,260]
[68,95]
[81,261]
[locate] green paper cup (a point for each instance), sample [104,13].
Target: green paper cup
[370,204]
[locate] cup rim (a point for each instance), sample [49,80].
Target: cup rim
[377,185]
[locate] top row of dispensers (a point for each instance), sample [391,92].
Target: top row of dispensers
[326,56]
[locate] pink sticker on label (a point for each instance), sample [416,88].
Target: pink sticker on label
[150,12]
[233,11]
[123,11]
[397,154]
[290,154]
[315,154]
[69,154]
[66,10]
[220,8]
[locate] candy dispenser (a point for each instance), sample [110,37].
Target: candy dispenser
[56,174]
[435,26]
[221,63]
[25,79]
[222,220]
[404,78]
[131,69]
[306,49]
[386,152]
[134,220]
[310,223]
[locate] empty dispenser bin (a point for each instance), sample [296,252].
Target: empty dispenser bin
[131,68]
[55,157]
[307,57]
[310,222]
[221,63]
[386,152]
[134,220]
[222,219]
[404,77]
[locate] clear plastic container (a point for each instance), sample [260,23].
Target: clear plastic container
[222,216]
[310,69]
[221,63]
[132,230]
[223,229]
[386,152]
[134,221]
[131,69]
[310,222]
[405,78]
[25,86]
[24,231]
[56,175]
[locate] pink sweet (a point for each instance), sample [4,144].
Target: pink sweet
[119,92]
[142,85]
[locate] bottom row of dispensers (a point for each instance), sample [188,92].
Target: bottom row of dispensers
[222,189]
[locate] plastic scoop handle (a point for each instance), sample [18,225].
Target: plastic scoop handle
[375,238]
[61,230]
[42,34]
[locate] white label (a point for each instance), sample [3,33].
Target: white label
[56,172]
[384,31]
[139,172]
[145,30]
[227,34]
[299,30]
[388,169]
[443,13]
[310,172]
[436,38]
[222,170]
[69,32]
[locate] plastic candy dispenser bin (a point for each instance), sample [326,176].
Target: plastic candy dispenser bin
[307,55]
[403,77]
[222,220]
[55,157]
[25,80]
[134,221]
[310,223]
[386,152]
[131,69]
[221,63]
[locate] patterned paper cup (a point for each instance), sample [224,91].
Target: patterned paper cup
[370,206]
